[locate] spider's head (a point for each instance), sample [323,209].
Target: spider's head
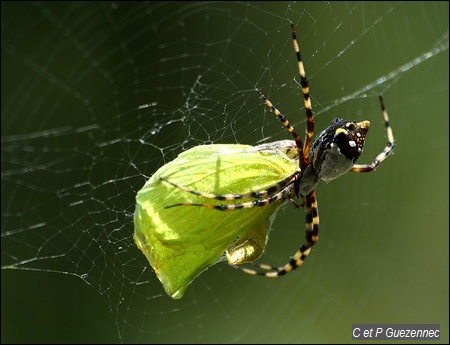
[338,147]
[350,137]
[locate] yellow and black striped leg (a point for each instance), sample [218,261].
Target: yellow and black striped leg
[266,197]
[312,236]
[269,191]
[387,150]
[287,125]
[306,97]
[303,151]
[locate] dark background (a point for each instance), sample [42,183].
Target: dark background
[77,145]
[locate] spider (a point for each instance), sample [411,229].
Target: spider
[333,153]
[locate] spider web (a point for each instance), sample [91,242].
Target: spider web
[97,96]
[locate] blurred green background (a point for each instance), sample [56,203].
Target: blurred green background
[97,96]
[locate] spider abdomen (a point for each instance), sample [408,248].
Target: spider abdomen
[333,163]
